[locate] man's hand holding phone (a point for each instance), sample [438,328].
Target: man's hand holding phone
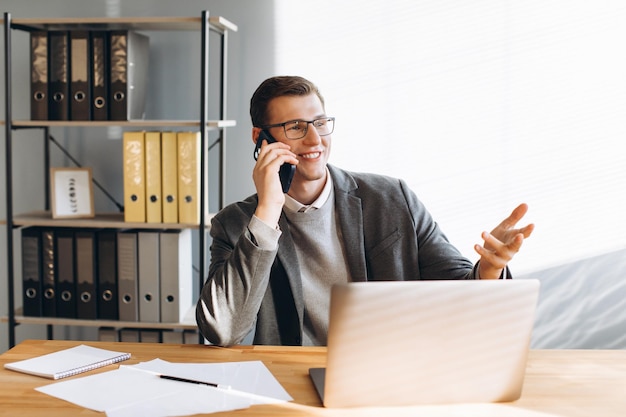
[271,157]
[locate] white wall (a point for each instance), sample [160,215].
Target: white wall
[480,105]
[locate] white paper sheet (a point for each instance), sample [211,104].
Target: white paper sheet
[137,390]
[249,378]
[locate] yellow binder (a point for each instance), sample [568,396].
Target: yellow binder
[189,177]
[153,177]
[169,177]
[134,177]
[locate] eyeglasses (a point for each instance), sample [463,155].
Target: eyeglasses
[296,129]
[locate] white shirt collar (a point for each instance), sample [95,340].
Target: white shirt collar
[295,206]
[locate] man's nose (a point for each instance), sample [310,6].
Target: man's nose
[312,136]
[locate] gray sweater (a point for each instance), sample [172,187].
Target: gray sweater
[322,264]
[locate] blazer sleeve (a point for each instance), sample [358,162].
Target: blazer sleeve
[437,257]
[238,277]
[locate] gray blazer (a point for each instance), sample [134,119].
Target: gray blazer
[388,235]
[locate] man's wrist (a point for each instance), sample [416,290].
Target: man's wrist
[489,273]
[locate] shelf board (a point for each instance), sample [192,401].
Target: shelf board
[100,323]
[211,124]
[216,23]
[101,220]
[187,324]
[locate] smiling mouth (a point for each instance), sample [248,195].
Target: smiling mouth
[312,155]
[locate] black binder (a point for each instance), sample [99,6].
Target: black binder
[49,302]
[65,273]
[31,271]
[39,75]
[99,73]
[86,274]
[58,70]
[107,275]
[128,74]
[80,92]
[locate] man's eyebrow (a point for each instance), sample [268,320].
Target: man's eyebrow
[323,116]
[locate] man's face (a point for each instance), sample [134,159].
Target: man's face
[312,150]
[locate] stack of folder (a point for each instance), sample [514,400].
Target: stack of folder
[162,177]
[128,275]
[88,75]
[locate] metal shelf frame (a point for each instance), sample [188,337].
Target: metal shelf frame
[204,25]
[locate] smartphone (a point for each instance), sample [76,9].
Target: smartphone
[286,170]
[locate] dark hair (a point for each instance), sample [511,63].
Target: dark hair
[277,87]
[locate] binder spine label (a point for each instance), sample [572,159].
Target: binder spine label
[58,107]
[189,177]
[107,275]
[85,275]
[128,65]
[128,276]
[31,271]
[99,70]
[169,177]
[39,76]
[66,284]
[49,281]
[154,209]
[119,60]
[80,101]
[134,177]
[149,290]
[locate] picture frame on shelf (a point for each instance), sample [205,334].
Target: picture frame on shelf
[71,193]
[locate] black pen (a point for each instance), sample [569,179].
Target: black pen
[193,381]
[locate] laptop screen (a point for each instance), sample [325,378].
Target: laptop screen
[428,342]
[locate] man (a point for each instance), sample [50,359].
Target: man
[275,256]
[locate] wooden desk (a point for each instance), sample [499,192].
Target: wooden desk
[572,383]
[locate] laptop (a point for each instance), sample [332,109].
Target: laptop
[398,343]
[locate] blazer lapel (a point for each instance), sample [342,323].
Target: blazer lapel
[350,220]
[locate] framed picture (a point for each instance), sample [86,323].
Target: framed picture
[72,193]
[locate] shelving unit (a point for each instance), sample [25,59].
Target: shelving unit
[203,25]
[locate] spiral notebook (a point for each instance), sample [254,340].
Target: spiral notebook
[68,362]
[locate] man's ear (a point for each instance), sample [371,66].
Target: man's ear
[256,131]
